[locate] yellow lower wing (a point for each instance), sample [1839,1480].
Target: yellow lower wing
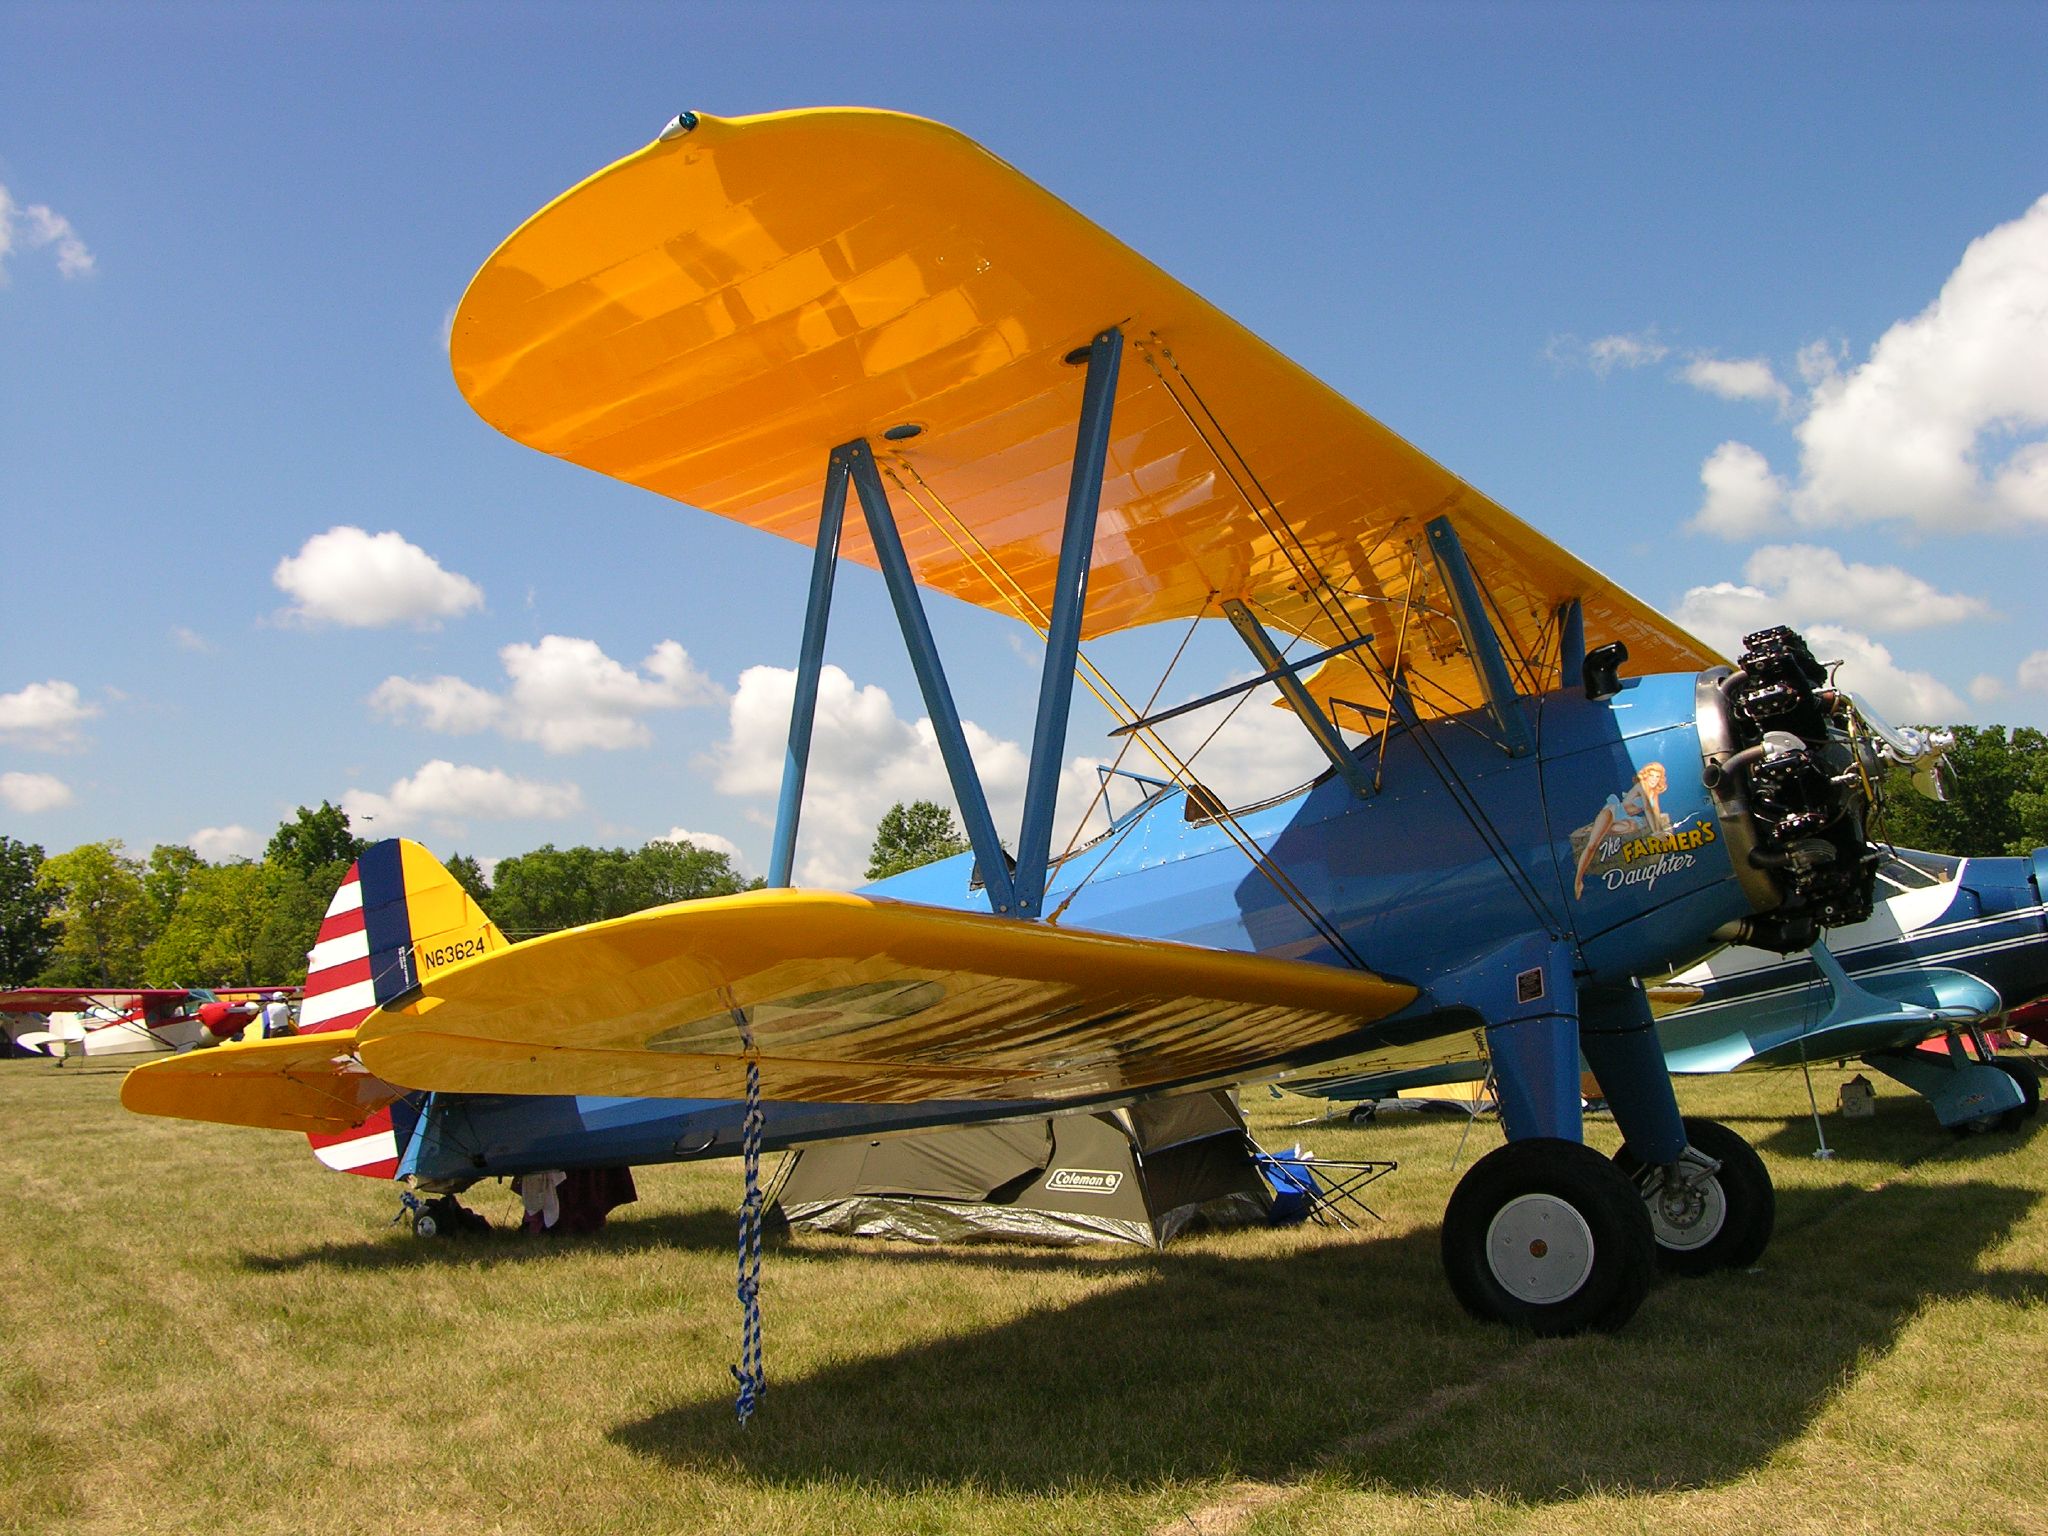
[852,1000]
[299,1083]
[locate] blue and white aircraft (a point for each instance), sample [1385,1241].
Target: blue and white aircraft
[1950,947]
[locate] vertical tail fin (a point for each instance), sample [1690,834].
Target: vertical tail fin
[398,917]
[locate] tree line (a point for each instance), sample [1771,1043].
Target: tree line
[97,917]
[100,917]
[1997,786]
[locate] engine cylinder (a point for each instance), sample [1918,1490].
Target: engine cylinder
[1792,785]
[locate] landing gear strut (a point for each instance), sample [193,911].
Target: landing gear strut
[2028,1076]
[1714,1209]
[1546,1234]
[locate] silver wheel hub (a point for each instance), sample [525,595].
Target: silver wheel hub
[1539,1249]
[1688,1213]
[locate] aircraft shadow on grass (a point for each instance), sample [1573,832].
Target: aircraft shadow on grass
[668,1233]
[702,1231]
[1350,1359]
[1900,1129]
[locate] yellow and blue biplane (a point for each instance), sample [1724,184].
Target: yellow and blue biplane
[770,317]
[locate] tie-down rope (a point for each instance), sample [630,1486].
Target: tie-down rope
[752,1378]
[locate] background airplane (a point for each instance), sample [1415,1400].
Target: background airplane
[134,1021]
[1950,950]
[762,316]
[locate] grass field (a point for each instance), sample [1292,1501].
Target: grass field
[207,1332]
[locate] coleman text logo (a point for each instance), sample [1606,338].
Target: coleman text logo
[1085,1181]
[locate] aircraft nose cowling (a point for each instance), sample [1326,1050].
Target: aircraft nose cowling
[1791,771]
[225,1019]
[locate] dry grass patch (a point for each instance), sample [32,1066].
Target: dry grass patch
[207,1330]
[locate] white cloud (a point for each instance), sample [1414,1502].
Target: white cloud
[1942,425]
[2033,673]
[1804,584]
[565,693]
[1986,689]
[1908,698]
[1820,361]
[45,715]
[1743,498]
[445,794]
[36,226]
[1723,613]
[1746,378]
[1604,354]
[711,842]
[445,704]
[1261,751]
[361,580]
[865,757]
[29,793]
[191,640]
[217,844]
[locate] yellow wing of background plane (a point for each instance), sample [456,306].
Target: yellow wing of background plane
[299,1083]
[709,316]
[856,1000]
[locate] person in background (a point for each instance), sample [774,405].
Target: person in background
[277,1017]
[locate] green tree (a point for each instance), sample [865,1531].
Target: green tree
[99,899]
[170,866]
[28,932]
[2030,810]
[912,835]
[1997,783]
[469,874]
[294,902]
[681,871]
[314,839]
[553,888]
[212,937]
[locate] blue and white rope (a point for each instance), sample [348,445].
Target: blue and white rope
[752,1378]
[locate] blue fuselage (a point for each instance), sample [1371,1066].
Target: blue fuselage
[1969,946]
[1600,850]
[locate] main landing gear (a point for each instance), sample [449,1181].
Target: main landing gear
[1714,1208]
[1548,1235]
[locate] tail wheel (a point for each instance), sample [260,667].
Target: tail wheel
[2028,1077]
[1720,1220]
[1548,1235]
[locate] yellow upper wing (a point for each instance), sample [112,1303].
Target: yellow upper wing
[298,1083]
[711,315]
[853,1000]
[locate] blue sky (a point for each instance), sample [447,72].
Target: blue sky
[1748,306]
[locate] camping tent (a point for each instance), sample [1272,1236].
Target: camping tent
[1138,1175]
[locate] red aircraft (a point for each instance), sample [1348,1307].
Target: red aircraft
[130,1021]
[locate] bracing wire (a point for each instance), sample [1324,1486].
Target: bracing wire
[1021,603]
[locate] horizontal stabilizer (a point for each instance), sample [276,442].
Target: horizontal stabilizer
[855,1000]
[298,1083]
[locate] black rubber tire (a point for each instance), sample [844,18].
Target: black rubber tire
[1750,1201]
[2028,1076]
[1623,1259]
